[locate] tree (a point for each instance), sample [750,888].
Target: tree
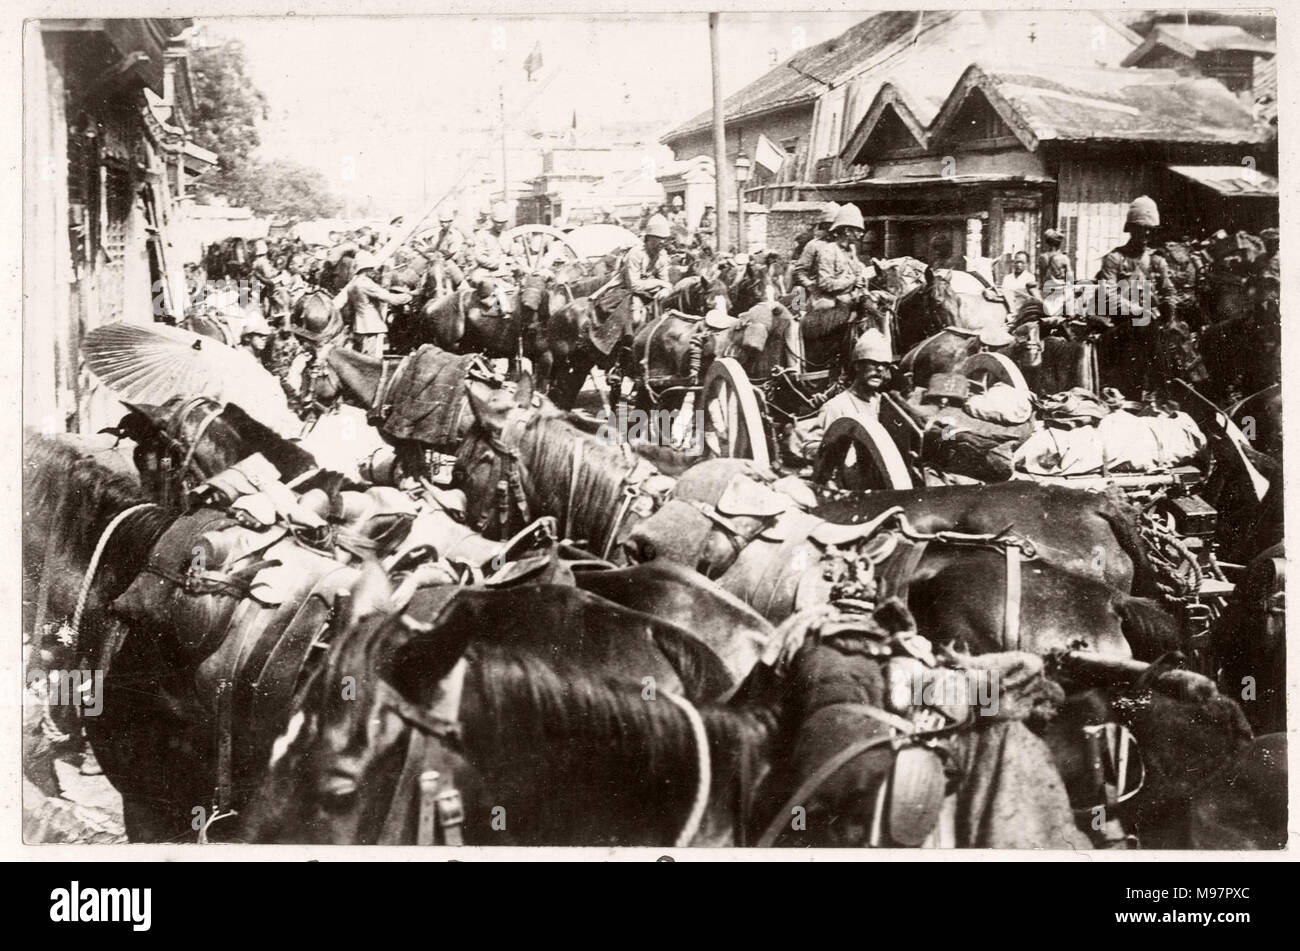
[287,190]
[228,107]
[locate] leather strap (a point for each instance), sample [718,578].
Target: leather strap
[1011,619]
[573,487]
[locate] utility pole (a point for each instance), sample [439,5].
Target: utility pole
[505,175]
[721,229]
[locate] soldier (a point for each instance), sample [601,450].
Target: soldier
[1052,243]
[264,275]
[1137,280]
[1135,285]
[645,267]
[1269,264]
[677,221]
[805,253]
[872,370]
[490,251]
[365,297]
[450,243]
[840,279]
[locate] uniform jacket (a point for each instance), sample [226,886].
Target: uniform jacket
[1122,264]
[838,270]
[491,251]
[364,297]
[639,271]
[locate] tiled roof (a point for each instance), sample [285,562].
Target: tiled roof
[1105,104]
[1190,39]
[803,77]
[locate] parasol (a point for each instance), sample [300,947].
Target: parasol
[151,363]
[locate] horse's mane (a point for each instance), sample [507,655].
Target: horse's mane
[78,496]
[636,755]
[289,458]
[547,446]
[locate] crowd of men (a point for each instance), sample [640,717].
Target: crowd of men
[834,262]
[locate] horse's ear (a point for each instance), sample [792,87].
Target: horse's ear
[147,413]
[524,391]
[477,404]
[371,594]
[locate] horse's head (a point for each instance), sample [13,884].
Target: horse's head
[333,774]
[197,438]
[487,468]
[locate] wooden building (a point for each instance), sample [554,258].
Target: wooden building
[106,159]
[1010,152]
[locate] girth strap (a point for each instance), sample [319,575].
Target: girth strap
[1011,618]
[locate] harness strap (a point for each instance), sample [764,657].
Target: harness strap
[573,487]
[810,785]
[703,771]
[84,595]
[1011,619]
[624,506]
[188,461]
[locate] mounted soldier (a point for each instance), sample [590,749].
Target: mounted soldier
[1135,286]
[840,279]
[805,253]
[494,265]
[449,243]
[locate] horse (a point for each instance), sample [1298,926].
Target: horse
[948,299]
[163,688]
[509,718]
[578,702]
[1198,778]
[554,322]
[1053,592]
[519,462]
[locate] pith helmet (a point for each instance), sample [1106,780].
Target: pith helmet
[500,213]
[872,346]
[828,213]
[658,227]
[1143,212]
[364,259]
[446,213]
[677,201]
[847,217]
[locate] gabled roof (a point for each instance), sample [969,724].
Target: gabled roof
[915,113]
[1191,39]
[1100,104]
[807,74]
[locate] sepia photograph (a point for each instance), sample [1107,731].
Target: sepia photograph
[762,431]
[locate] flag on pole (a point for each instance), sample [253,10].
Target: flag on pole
[534,61]
[768,154]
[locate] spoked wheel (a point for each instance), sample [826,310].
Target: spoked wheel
[875,463]
[733,422]
[988,368]
[540,246]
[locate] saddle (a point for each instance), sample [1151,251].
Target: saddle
[425,400]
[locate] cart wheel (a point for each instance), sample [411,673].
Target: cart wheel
[733,423]
[538,246]
[877,463]
[988,368]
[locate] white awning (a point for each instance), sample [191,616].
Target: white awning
[1231,181]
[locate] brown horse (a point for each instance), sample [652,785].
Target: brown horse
[581,699]
[511,717]
[1057,595]
[1197,778]
[519,463]
[947,299]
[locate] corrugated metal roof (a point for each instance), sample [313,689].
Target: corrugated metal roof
[1265,92]
[1127,105]
[804,76]
[1234,181]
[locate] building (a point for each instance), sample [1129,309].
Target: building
[811,104]
[1216,51]
[105,165]
[1009,152]
[583,184]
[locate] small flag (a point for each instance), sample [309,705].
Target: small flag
[768,154]
[534,61]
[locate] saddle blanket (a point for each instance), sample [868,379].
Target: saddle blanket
[426,399]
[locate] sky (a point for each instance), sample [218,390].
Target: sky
[395,109]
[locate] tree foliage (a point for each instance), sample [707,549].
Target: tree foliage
[228,106]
